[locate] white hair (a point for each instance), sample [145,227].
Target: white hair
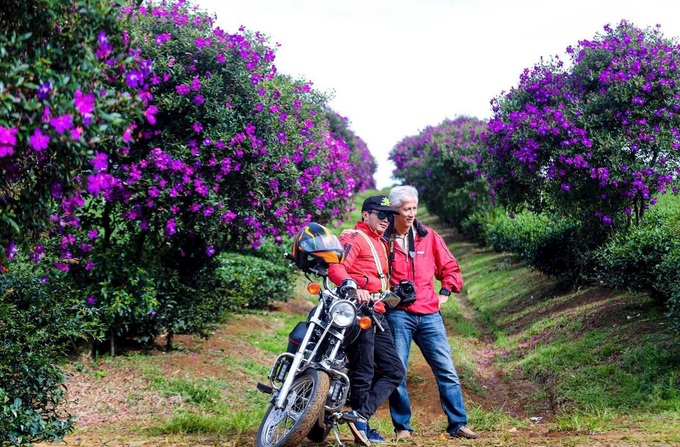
[400,194]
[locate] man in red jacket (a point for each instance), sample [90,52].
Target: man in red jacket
[366,264]
[418,255]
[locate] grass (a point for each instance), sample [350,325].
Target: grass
[237,425]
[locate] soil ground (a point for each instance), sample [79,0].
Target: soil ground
[111,401]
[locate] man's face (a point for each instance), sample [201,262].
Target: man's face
[406,213]
[377,220]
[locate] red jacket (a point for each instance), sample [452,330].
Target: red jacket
[433,259]
[359,261]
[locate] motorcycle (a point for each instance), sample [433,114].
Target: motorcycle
[309,382]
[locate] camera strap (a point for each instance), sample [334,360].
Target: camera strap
[411,252]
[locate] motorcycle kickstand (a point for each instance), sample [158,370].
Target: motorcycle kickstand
[336,433]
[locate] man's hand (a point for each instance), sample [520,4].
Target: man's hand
[442,299]
[363,296]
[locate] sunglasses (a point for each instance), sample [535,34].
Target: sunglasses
[382,215]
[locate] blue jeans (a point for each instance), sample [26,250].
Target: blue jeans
[429,334]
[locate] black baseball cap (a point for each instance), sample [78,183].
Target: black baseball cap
[378,203]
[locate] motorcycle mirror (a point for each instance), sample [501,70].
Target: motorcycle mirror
[390,298]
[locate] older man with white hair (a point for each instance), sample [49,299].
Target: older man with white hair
[417,255]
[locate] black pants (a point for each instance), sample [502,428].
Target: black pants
[375,369]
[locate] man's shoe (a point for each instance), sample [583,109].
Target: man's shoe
[466,433]
[403,435]
[374,437]
[358,425]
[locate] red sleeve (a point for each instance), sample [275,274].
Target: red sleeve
[448,270]
[338,272]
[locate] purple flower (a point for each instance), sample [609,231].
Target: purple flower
[210,251]
[134,78]
[150,114]
[202,42]
[162,38]
[7,140]
[100,161]
[10,251]
[38,141]
[170,227]
[84,103]
[91,301]
[182,89]
[62,123]
[228,216]
[100,182]
[195,83]
[56,190]
[104,48]
[44,90]
[76,133]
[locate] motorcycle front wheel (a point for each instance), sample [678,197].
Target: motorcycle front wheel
[288,426]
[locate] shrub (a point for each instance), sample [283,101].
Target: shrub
[646,257]
[556,246]
[38,322]
[441,162]
[252,282]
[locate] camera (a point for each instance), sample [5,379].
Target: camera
[405,290]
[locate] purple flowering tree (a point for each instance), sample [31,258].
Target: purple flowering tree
[596,139]
[180,142]
[442,162]
[229,153]
[362,163]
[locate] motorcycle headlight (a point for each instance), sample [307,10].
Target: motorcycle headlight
[343,313]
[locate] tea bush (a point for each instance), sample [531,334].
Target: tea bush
[39,320]
[646,257]
[252,283]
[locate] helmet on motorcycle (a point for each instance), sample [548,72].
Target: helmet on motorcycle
[316,247]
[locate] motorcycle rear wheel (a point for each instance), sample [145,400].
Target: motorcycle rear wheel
[288,426]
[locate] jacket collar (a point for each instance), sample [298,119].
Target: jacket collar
[419,228]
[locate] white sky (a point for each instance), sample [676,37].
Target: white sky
[395,67]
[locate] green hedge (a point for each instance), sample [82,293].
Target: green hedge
[252,282]
[37,324]
[644,257]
